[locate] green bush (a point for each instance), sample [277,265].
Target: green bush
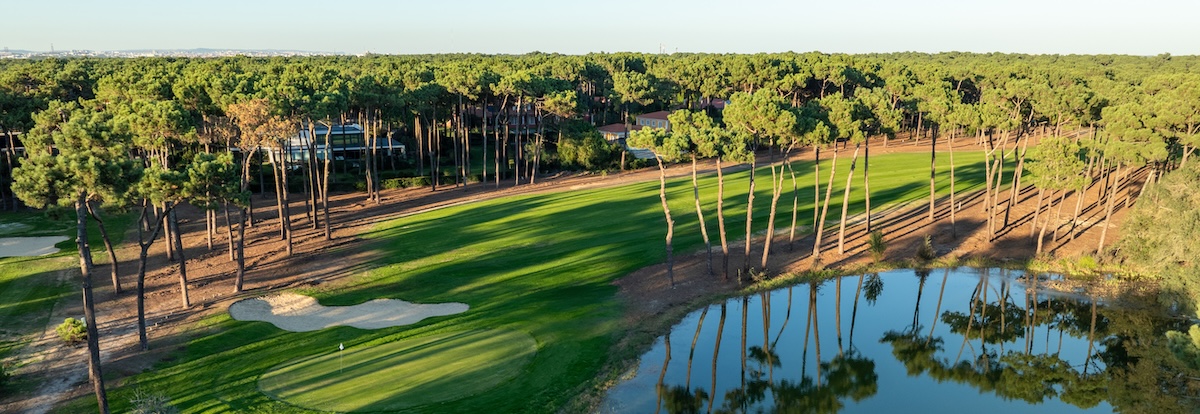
[149,403]
[926,253]
[1160,238]
[588,151]
[877,245]
[405,182]
[1087,263]
[390,183]
[72,330]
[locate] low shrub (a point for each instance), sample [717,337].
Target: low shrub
[72,330]
[405,182]
[877,245]
[1087,264]
[149,403]
[926,253]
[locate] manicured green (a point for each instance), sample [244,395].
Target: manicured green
[401,374]
[540,264]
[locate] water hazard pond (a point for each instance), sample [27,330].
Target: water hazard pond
[945,340]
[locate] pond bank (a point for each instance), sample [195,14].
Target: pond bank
[653,305]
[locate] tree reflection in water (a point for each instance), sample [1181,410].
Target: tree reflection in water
[1017,347]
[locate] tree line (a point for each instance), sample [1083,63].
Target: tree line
[106,135]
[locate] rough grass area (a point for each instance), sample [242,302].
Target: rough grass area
[542,265]
[401,374]
[30,287]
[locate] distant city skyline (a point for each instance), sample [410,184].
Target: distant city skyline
[1147,27]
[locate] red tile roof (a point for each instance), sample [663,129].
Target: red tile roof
[656,115]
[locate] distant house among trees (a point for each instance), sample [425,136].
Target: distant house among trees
[655,120]
[617,132]
[347,143]
[522,119]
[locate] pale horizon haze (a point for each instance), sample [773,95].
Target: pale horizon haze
[1147,27]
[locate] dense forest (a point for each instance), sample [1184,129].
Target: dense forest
[98,136]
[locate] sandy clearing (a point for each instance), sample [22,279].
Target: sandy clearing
[29,246]
[299,313]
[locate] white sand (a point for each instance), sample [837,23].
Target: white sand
[299,313]
[28,246]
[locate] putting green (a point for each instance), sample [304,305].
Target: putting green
[401,374]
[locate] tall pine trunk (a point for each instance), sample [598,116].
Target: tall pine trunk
[1046,222]
[1079,194]
[178,240]
[846,202]
[749,222]
[1015,191]
[700,216]
[483,177]
[998,169]
[1037,209]
[167,234]
[143,247]
[517,151]
[825,206]
[1062,196]
[953,205]
[1112,194]
[276,170]
[662,194]
[286,218]
[325,181]
[795,206]
[108,247]
[867,180]
[932,173]
[144,244]
[776,190]
[419,134]
[315,195]
[89,305]
[987,188]
[241,251]
[816,187]
[228,230]
[721,220]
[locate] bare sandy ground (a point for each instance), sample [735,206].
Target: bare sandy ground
[28,246]
[299,313]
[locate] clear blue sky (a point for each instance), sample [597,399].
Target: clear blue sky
[1141,27]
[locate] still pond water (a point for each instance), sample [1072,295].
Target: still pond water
[945,340]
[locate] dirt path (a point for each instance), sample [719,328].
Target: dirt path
[46,356]
[317,261]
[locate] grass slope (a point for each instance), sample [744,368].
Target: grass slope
[542,265]
[30,286]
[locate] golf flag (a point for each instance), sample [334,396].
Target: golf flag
[340,347]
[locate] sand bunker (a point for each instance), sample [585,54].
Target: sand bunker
[29,246]
[299,313]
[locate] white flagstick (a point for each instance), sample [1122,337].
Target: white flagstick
[340,349]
